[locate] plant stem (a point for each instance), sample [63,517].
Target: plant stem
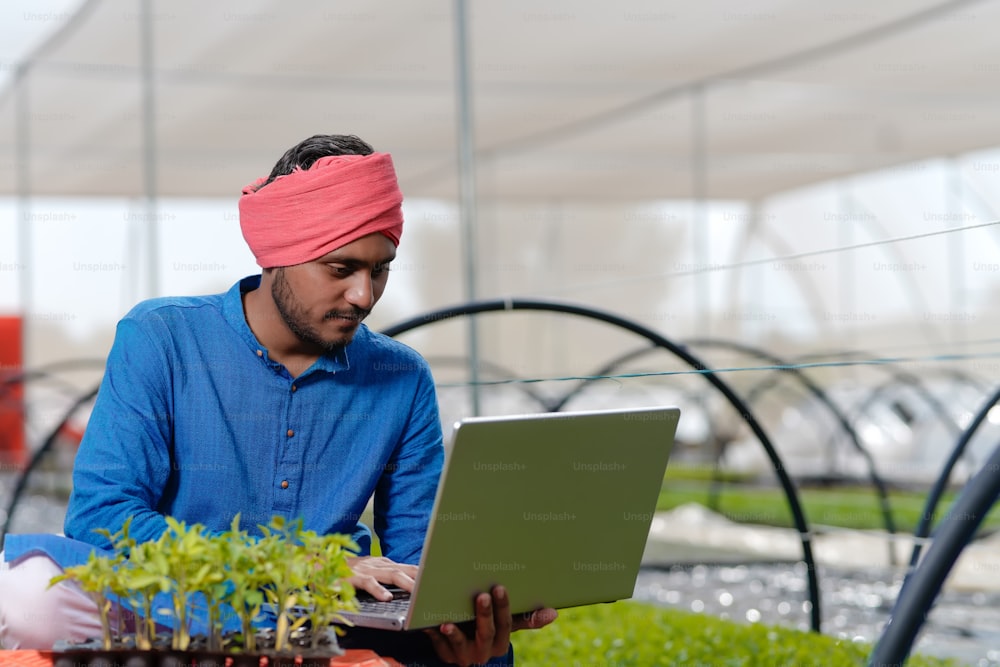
[214,628]
[104,607]
[249,637]
[145,631]
[182,637]
[121,619]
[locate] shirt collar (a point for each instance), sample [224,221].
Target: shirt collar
[232,309]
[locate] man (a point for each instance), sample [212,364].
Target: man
[272,398]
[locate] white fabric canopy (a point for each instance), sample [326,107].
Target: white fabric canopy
[640,99]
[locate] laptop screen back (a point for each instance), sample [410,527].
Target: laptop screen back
[556,507]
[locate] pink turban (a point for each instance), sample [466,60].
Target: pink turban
[303,215]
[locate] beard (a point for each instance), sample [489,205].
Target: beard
[296,317]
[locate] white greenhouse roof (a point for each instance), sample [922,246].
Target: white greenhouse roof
[571,100]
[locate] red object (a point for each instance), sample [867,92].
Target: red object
[364,658]
[12,450]
[25,659]
[358,658]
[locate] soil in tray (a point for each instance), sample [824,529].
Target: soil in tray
[156,658]
[92,654]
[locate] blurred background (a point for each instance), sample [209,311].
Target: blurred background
[803,196]
[818,184]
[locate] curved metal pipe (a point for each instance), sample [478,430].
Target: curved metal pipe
[963,377]
[606,369]
[499,370]
[786,367]
[918,386]
[941,483]
[48,372]
[955,532]
[903,377]
[22,481]
[734,400]
[881,489]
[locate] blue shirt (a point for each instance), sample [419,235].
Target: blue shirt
[194,420]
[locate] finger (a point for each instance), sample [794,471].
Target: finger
[382,571]
[392,577]
[502,621]
[533,620]
[371,585]
[462,651]
[441,646]
[386,565]
[408,570]
[404,579]
[382,564]
[485,634]
[485,627]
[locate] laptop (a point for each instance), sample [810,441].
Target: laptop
[555,506]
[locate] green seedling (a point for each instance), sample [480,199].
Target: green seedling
[97,577]
[285,575]
[330,593]
[244,562]
[147,573]
[303,574]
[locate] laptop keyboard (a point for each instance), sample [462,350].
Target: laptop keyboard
[369,604]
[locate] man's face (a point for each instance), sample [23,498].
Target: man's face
[323,301]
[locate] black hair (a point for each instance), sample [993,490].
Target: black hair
[306,152]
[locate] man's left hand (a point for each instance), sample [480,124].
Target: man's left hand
[493,626]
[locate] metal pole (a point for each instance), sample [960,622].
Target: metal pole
[467,188]
[24,263]
[23,167]
[149,148]
[702,278]
[956,259]
[846,267]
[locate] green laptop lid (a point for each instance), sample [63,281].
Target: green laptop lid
[555,506]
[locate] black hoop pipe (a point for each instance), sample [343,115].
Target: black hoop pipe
[958,375]
[499,370]
[952,535]
[941,483]
[734,400]
[881,491]
[48,370]
[611,367]
[22,480]
[918,386]
[908,379]
[606,369]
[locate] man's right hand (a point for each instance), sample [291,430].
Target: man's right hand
[370,572]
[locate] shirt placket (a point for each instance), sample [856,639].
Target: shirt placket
[288,475]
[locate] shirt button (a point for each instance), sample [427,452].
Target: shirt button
[260,353]
[284,484]
[290,433]
[294,389]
